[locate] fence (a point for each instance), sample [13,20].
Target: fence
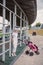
[12,18]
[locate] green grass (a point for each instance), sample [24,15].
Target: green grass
[1,35]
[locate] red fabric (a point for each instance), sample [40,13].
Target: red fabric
[33,47]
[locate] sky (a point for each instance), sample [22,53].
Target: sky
[39,17]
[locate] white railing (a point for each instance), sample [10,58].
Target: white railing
[14,24]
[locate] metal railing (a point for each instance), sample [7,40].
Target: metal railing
[10,32]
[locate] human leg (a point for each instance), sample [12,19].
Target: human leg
[14,49]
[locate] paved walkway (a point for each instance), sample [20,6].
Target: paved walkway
[35,59]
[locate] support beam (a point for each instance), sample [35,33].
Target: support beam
[13,21]
[3,46]
[24,22]
[15,15]
[10,38]
[20,27]
[27,35]
[24,26]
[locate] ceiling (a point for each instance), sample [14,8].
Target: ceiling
[30,8]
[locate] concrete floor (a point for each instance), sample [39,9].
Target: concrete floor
[35,59]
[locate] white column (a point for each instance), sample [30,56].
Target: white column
[15,15]
[26,29]
[24,22]
[20,27]
[24,26]
[3,46]
[13,21]
[10,38]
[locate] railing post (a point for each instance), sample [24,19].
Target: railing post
[13,21]
[3,46]
[10,38]
[20,27]
[24,26]
[15,14]
[14,17]
[24,22]
[26,29]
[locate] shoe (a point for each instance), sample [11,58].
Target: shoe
[13,54]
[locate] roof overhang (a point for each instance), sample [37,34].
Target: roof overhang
[30,8]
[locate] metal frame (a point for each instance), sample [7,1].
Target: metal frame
[14,24]
[3,56]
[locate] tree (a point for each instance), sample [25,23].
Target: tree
[38,24]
